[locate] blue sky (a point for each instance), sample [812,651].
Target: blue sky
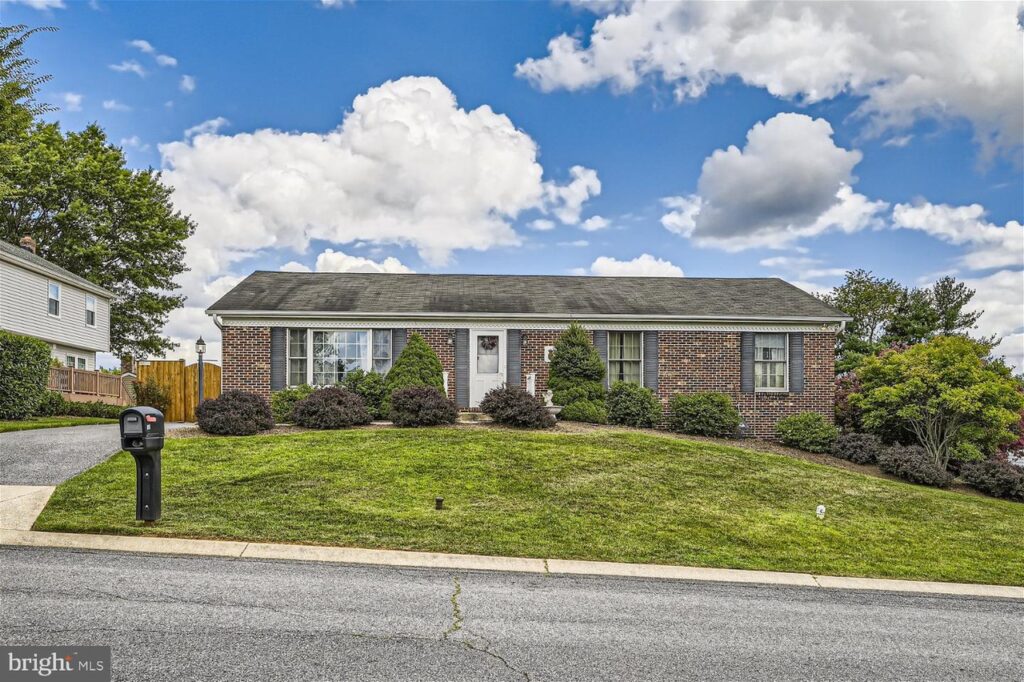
[845,155]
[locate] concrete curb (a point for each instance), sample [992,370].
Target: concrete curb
[385,557]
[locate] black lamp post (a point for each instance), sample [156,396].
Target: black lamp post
[200,349]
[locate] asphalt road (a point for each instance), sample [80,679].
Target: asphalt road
[177,618]
[51,456]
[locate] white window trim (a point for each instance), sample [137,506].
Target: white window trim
[366,366]
[608,353]
[59,299]
[785,375]
[89,297]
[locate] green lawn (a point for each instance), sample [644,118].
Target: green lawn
[50,423]
[612,496]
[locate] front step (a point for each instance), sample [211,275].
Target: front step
[473,418]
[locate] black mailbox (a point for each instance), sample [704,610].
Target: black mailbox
[142,435]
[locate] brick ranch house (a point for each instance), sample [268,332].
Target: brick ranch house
[763,341]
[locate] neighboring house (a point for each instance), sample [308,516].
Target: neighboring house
[765,342]
[40,299]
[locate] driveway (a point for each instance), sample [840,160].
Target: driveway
[191,618]
[51,456]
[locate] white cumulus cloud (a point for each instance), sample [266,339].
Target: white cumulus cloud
[789,181]
[407,166]
[72,101]
[1001,296]
[129,66]
[208,127]
[988,245]
[187,84]
[644,265]
[961,60]
[566,201]
[594,223]
[114,105]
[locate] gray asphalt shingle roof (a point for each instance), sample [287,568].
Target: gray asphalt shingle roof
[38,263]
[577,297]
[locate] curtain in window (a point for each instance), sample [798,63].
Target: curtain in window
[381,350]
[296,357]
[624,357]
[770,361]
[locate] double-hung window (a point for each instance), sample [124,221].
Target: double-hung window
[297,357]
[53,299]
[381,350]
[771,355]
[625,357]
[90,311]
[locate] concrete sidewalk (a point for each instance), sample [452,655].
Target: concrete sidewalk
[21,504]
[344,555]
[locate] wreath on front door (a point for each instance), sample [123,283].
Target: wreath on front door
[488,342]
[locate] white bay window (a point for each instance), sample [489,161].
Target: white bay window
[323,357]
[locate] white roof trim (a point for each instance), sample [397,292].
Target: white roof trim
[336,315]
[621,325]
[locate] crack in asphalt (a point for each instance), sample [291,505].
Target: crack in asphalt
[456,610]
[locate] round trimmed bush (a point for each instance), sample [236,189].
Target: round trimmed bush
[807,431]
[371,388]
[912,463]
[151,393]
[590,411]
[235,413]
[51,405]
[331,408]
[859,448]
[282,402]
[513,406]
[995,477]
[633,405]
[421,406]
[703,414]
[24,374]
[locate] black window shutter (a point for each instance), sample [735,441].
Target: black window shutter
[278,358]
[462,368]
[796,362]
[601,343]
[514,358]
[651,360]
[398,339]
[747,362]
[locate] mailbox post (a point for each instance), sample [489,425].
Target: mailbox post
[142,435]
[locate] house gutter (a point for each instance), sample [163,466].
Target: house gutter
[334,314]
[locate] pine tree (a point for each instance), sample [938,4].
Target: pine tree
[416,365]
[577,377]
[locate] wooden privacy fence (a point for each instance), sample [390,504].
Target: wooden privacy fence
[181,382]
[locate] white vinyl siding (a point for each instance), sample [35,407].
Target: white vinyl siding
[625,357]
[24,309]
[771,362]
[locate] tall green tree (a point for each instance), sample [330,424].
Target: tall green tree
[73,193]
[885,313]
[871,301]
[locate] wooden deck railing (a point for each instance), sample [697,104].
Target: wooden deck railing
[82,384]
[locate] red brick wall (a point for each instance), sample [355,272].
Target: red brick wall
[438,340]
[710,361]
[245,360]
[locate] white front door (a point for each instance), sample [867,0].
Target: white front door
[486,362]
